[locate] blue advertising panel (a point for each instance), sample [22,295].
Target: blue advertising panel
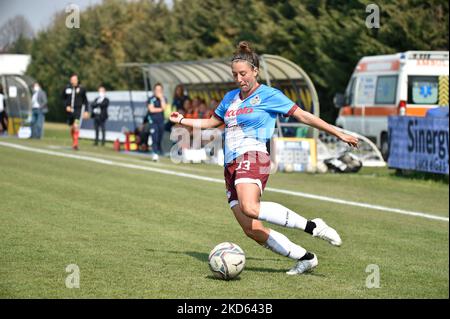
[419,143]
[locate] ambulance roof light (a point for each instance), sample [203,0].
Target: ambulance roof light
[427,55]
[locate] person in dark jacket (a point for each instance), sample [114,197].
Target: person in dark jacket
[3,115]
[99,112]
[75,102]
[156,107]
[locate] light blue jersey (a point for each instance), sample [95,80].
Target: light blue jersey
[250,123]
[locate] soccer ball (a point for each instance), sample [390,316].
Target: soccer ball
[226,260]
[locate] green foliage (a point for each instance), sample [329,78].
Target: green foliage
[21,46]
[326,38]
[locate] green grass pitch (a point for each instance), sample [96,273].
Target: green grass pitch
[141,234]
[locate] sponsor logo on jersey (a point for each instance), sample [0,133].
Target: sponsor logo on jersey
[244,110]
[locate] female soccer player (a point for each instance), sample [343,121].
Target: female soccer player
[249,114]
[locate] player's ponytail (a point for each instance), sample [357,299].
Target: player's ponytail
[245,53]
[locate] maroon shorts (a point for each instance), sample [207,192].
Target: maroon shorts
[251,167]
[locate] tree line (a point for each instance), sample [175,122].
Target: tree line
[325,37]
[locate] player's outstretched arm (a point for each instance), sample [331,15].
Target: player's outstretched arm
[178,118]
[318,123]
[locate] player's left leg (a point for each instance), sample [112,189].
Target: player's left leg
[276,242]
[96,128]
[156,141]
[253,228]
[76,134]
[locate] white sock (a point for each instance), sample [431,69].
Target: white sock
[279,215]
[280,244]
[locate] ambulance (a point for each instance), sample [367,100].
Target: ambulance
[402,84]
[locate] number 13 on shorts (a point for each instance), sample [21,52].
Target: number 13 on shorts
[244,165]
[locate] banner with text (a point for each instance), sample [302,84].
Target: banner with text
[419,143]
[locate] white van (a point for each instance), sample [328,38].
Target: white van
[408,83]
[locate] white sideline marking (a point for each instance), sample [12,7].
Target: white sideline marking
[135,160]
[216,180]
[346,202]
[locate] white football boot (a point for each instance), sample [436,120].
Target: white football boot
[325,232]
[155,157]
[303,266]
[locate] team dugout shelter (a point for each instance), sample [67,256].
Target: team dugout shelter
[212,78]
[16,89]
[295,146]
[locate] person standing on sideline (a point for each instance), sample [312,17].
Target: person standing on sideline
[249,113]
[75,102]
[3,115]
[99,112]
[156,107]
[38,110]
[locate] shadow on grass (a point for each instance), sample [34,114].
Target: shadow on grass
[203,257]
[415,175]
[211,277]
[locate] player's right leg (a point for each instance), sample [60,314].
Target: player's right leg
[275,241]
[71,121]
